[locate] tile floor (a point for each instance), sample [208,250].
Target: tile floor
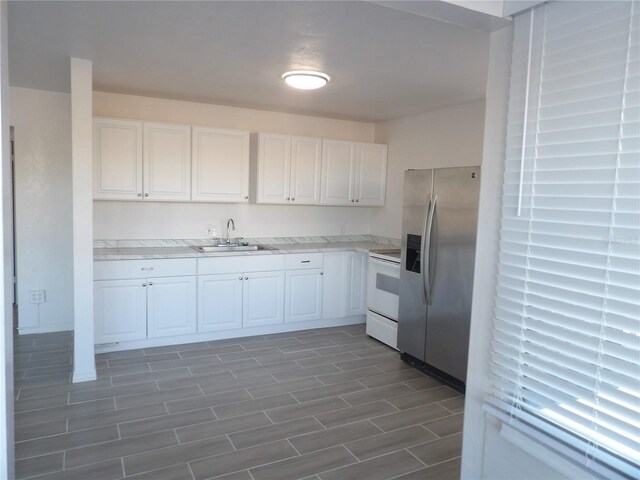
[318,404]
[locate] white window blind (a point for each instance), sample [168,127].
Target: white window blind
[566,341]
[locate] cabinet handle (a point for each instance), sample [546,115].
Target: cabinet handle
[246,197]
[246,278]
[288,198]
[144,284]
[305,261]
[146,194]
[151,284]
[139,194]
[146,268]
[321,273]
[239,278]
[357,201]
[352,200]
[293,199]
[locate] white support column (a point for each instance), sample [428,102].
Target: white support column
[6,258]
[84,367]
[493,155]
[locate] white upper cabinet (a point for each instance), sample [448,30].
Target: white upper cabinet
[167,161]
[220,165]
[306,168]
[141,161]
[117,159]
[274,168]
[371,174]
[338,168]
[353,173]
[289,169]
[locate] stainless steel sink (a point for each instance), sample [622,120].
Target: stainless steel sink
[231,248]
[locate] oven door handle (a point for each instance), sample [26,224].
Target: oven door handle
[383,261]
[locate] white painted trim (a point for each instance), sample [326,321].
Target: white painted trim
[6,279]
[82,164]
[542,453]
[54,327]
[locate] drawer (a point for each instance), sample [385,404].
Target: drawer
[124,269]
[296,261]
[383,329]
[240,264]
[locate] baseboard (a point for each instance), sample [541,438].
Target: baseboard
[223,335]
[64,327]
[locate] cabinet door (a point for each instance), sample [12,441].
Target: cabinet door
[303,295]
[219,302]
[371,174]
[171,306]
[263,299]
[167,161]
[334,288]
[117,159]
[357,283]
[220,167]
[120,310]
[338,169]
[306,167]
[274,166]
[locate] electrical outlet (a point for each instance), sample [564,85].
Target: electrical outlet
[37,296]
[211,231]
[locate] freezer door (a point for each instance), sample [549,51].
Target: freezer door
[452,250]
[412,312]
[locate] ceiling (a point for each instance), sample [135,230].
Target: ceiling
[384,62]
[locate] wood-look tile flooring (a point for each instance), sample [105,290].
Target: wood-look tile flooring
[318,404]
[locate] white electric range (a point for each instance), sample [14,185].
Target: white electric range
[383,285]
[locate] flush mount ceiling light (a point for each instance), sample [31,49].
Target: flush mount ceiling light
[305,80]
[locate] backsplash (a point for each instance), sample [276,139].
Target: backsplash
[392,242]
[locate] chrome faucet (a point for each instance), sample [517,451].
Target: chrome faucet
[233,227]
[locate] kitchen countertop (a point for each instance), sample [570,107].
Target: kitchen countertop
[189,251]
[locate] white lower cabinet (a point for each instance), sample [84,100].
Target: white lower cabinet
[357,283]
[240,292]
[136,299]
[220,302]
[177,297]
[303,295]
[171,306]
[263,295]
[344,284]
[140,308]
[236,300]
[120,310]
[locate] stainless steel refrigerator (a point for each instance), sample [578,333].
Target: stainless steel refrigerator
[436,276]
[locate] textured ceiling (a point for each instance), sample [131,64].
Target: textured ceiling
[384,63]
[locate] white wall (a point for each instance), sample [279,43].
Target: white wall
[450,137]
[122,220]
[42,122]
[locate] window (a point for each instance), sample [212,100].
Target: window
[565,349]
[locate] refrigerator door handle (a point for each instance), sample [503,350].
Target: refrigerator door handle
[426,265]
[423,248]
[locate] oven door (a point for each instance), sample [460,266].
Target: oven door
[383,284]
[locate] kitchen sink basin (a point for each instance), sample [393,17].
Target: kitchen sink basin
[231,248]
